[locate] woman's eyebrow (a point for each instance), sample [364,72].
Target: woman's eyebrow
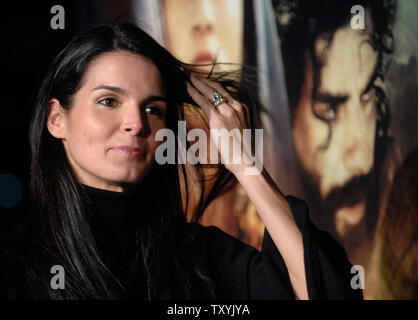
[124,92]
[112,88]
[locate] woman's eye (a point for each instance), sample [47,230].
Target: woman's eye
[109,102]
[155,110]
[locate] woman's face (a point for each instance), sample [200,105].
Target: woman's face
[109,133]
[198,31]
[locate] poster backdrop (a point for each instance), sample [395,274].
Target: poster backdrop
[340,83]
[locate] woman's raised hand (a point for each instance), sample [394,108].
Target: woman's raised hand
[226,120]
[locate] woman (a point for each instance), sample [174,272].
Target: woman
[113,218]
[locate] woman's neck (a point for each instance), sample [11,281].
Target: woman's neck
[115,216]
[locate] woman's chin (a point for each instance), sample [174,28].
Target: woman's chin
[127,174]
[131,180]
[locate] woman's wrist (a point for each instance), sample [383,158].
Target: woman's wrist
[241,170]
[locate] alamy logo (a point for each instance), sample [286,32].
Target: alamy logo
[58,280]
[358,20]
[236,152]
[58,20]
[357,282]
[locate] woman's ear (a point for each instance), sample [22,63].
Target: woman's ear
[56,119]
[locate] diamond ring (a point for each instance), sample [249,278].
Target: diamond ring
[217,99]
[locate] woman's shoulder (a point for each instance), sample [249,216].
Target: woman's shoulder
[298,207]
[211,232]
[241,270]
[217,242]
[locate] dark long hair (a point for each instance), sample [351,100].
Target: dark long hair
[174,266]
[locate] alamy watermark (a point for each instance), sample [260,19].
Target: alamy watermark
[357,282]
[231,146]
[58,20]
[358,20]
[58,280]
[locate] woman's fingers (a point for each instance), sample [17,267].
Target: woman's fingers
[203,92]
[201,100]
[230,115]
[208,88]
[218,88]
[202,86]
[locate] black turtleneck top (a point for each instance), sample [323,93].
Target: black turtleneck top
[116,218]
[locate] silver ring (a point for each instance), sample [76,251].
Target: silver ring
[217,99]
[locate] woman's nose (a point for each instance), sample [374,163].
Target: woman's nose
[204,20]
[134,122]
[201,29]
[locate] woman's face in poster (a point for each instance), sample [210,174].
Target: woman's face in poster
[200,31]
[109,132]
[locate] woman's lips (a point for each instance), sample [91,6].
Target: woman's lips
[203,57]
[130,152]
